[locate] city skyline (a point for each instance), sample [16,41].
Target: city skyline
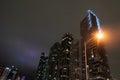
[28,28]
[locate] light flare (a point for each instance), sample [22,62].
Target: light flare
[99,35]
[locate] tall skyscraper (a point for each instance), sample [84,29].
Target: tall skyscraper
[13,73]
[64,60]
[53,62]
[41,71]
[94,58]
[66,46]
[75,61]
[5,73]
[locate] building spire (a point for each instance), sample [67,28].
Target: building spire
[90,14]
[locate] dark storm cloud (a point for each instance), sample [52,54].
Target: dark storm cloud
[28,27]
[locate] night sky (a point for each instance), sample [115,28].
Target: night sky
[29,27]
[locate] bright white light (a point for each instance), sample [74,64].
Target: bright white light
[89,20]
[92,56]
[7,68]
[99,35]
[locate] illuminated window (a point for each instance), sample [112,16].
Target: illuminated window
[108,79]
[90,70]
[53,58]
[67,50]
[55,78]
[83,69]
[70,42]
[64,68]
[49,75]
[92,56]
[56,67]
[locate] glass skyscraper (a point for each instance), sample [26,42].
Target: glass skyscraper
[94,58]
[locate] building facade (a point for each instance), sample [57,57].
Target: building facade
[5,73]
[65,57]
[94,58]
[13,73]
[75,61]
[42,67]
[53,62]
[64,60]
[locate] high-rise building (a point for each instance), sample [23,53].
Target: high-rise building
[13,73]
[64,60]
[8,73]
[41,71]
[64,64]
[53,62]
[94,58]
[5,73]
[75,61]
